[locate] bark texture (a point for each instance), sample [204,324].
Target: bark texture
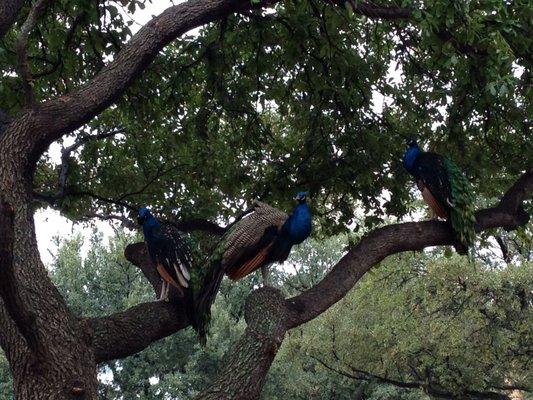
[246,366]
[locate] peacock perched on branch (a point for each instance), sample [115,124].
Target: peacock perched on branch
[263,237]
[169,253]
[446,190]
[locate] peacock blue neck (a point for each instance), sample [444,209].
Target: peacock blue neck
[148,226]
[298,225]
[410,156]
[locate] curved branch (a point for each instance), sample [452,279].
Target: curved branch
[397,238]
[56,117]
[9,288]
[22,48]
[373,248]
[126,333]
[66,113]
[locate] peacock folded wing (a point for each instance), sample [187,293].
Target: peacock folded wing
[433,181]
[462,215]
[248,244]
[242,246]
[172,256]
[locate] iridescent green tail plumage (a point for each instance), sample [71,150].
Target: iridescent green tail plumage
[462,211]
[205,283]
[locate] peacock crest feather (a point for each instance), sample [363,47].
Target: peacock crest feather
[462,210]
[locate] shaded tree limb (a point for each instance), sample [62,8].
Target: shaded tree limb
[9,11]
[67,152]
[54,200]
[246,366]
[373,248]
[22,49]
[504,248]
[360,375]
[61,115]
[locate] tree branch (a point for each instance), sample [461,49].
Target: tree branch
[22,49]
[56,117]
[367,376]
[126,333]
[373,248]
[9,10]
[9,287]
[397,238]
[66,113]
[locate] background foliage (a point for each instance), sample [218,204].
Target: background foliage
[442,323]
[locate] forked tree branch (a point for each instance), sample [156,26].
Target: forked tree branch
[373,248]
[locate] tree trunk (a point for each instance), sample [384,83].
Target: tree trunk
[49,351]
[246,367]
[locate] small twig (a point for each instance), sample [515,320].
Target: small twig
[22,49]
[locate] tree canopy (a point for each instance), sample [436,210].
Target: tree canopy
[261,104]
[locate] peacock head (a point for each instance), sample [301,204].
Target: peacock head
[301,197]
[411,154]
[411,142]
[144,215]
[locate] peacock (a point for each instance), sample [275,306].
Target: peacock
[169,253]
[266,235]
[446,190]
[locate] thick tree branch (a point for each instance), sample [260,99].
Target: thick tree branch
[246,366]
[62,115]
[22,49]
[397,238]
[9,10]
[372,249]
[9,287]
[59,116]
[131,331]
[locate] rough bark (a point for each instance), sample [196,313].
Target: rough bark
[246,366]
[49,353]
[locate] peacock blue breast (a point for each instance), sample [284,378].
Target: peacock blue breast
[410,156]
[148,227]
[299,224]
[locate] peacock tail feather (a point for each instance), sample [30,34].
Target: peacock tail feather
[462,210]
[205,282]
